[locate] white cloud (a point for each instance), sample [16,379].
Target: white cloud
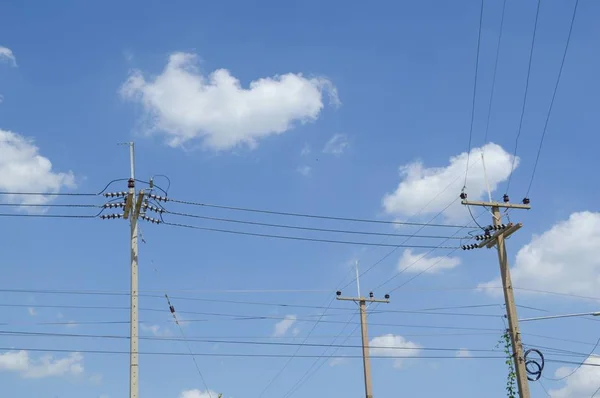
[156,330]
[581,384]
[6,55]
[337,145]
[183,104]
[96,378]
[31,311]
[23,169]
[198,394]
[304,170]
[306,150]
[563,259]
[390,345]
[420,184]
[463,353]
[424,263]
[337,361]
[45,366]
[282,327]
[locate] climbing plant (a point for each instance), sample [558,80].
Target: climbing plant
[511,379]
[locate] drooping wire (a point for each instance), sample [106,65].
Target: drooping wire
[299,238]
[578,366]
[562,64]
[297,227]
[321,217]
[172,309]
[512,168]
[474,93]
[534,367]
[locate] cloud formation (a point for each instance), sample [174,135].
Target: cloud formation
[198,394]
[410,262]
[283,326]
[390,345]
[6,55]
[336,145]
[437,187]
[582,383]
[183,104]
[23,169]
[45,366]
[563,259]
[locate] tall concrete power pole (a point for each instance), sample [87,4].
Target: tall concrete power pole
[495,236]
[362,303]
[132,211]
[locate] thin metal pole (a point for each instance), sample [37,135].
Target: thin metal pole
[133,360]
[357,278]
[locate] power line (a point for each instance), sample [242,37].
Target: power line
[48,205]
[299,238]
[238,355]
[233,342]
[322,217]
[48,215]
[512,169]
[343,231]
[562,64]
[487,125]
[474,92]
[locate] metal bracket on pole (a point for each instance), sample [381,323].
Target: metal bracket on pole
[128,205]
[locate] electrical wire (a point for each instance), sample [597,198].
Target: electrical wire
[415,262]
[512,168]
[185,339]
[91,307]
[342,231]
[239,355]
[321,217]
[388,254]
[48,205]
[487,124]
[474,92]
[63,193]
[577,368]
[562,64]
[172,309]
[299,238]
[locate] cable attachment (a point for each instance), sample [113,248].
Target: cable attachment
[111,216]
[150,219]
[463,194]
[159,198]
[155,209]
[534,367]
[469,247]
[113,205]
[115,194]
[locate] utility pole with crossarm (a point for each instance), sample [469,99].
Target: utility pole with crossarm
[495,235]
[362,302]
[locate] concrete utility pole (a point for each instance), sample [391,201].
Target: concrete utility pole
[497,239]
[362,302]
[132,211]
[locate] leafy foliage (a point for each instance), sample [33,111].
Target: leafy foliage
[511,378]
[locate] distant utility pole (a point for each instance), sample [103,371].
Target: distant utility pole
[362,302]
[501,232]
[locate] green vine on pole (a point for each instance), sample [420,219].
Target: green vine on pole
[511,379]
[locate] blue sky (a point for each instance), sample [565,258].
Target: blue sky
[335,108]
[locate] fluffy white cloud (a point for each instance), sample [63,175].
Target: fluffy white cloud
[337,145]
[424,263]
[198,394]
[420,184]
[282,327]
[581,384]
[563,259]
[156,330]
[463,353]
[304,170]
[45,366]
[390,345]
[6,55]
[23,169]
[184,104]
